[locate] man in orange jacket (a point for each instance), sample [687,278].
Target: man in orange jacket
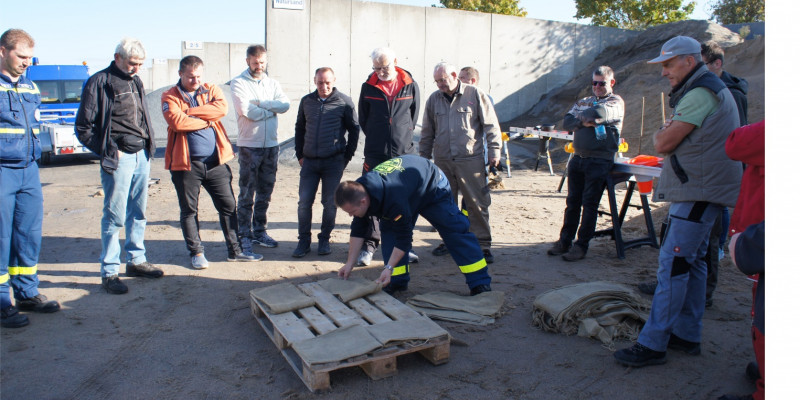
[198,150]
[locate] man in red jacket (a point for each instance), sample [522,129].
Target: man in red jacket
[388,108]
[197,151]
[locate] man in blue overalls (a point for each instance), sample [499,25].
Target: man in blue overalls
[397,191]
[21,200]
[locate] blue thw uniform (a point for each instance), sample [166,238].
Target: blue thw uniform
[400,190]
[21,201]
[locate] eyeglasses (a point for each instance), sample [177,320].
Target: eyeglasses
[384,68]
[441,81]
[599,83]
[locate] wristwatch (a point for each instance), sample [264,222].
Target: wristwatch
[389,267]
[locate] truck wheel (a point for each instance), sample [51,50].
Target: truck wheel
[46,158]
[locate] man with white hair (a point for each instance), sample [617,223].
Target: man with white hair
[113,122]
[388,108]
[458,120]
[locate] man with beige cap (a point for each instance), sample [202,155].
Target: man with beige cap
[698,179]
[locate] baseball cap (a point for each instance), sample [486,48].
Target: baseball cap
[677,46]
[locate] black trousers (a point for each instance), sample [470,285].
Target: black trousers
[586,181]
[217,182]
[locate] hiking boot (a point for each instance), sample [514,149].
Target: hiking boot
[11,318]
[38,304]
[144,269]
[479,289]
[364,258]
[199,261]
[752,371]
[262,239]
[575,253]
[323,248]
[393,288]
[303,247]
[676,343]
[413,258]
[648,287]
[487,255]
[113,285]
[558,249]
[441,250]
[639,356]
[245,256]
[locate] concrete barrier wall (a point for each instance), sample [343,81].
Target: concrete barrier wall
[519,59]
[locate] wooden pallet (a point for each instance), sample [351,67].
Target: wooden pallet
[328,314]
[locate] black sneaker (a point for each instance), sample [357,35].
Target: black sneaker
[11,318]
[144,269]
[113,285]
[303,247]
[676,343]
[323,248]
[575,253]
[558,249]
[479,289]
[648,287]
[487,255]
[441,250]
[639,356]
[393,288]
[38,303]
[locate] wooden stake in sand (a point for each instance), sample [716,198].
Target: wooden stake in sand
[663,117]
[641,130]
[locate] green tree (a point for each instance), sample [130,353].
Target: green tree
[633,14]
[506,7]
[738,11]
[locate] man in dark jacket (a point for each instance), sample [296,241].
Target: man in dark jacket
[388,108]
[113,122]
[398,191]
[597,123]
[713,57]
[323,117]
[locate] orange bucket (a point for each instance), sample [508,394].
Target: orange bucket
[645,187]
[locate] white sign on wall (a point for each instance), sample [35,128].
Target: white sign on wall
[193,45]
[289,4]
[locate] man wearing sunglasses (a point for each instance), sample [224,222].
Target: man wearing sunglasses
[597,123]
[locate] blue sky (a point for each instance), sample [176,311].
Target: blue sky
[69,32]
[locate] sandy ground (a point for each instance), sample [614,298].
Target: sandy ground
[190,335]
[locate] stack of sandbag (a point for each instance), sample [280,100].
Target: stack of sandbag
[480,309]
[606,311]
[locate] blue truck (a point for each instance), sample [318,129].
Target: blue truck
[61,87]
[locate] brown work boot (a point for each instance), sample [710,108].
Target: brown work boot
[575,253]
[558,249]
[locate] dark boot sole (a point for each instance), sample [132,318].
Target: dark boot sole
[301,255]
[637,364]
[42,310]
[151,275]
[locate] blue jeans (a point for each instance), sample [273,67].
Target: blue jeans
[257,172]
[329,172]
[125,203]
[586,181]
[679,300]
[21,204]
